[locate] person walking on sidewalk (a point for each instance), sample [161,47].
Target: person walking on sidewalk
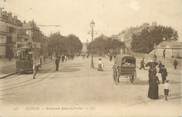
[57,61]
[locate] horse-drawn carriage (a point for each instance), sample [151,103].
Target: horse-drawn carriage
[125,65]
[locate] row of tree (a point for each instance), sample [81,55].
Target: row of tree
[145,38]
[67,45]
[103,45]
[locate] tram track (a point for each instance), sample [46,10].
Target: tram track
[17,81]
[16,76]
[8,91]
[27,83]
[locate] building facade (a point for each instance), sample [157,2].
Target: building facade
[171,49]
[16,35]
[9,29]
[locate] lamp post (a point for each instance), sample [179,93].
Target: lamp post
[92,24]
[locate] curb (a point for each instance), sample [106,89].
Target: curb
[10,74]
[7,75]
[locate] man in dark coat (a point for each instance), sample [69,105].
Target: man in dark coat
[35,69]
[163,73]
[142,64]
[63,58]
[160,66]
[57,61]
[175,63]
[164,53]
[110,57]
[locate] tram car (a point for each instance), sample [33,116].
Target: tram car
[24,61]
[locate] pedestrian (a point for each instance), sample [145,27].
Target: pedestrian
[160,66]
[57,61]
[63,58]
[163,73]
[110,57]
[164,53]
[100,65]
[142,64]
[175,63]
[35,69]
[41,60]
[166,89]
[153,91]
[88,55]
[152,71]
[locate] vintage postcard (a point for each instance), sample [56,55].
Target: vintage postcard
[90,58]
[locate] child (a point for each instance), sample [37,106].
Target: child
[166,89]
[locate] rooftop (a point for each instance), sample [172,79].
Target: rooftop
[170,44]
[9,18]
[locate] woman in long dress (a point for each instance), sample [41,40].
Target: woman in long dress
[152,72]
[153,83]
[153,91]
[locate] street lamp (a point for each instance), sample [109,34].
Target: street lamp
[92,24]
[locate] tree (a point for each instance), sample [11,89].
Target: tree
[73,44]
[103,45]
[67,45]
[145,38]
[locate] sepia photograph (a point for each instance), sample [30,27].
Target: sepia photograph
[90,58]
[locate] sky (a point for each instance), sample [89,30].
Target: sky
[110,16]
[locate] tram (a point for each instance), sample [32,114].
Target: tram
[24,61]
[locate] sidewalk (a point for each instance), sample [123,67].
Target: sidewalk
[7,67]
